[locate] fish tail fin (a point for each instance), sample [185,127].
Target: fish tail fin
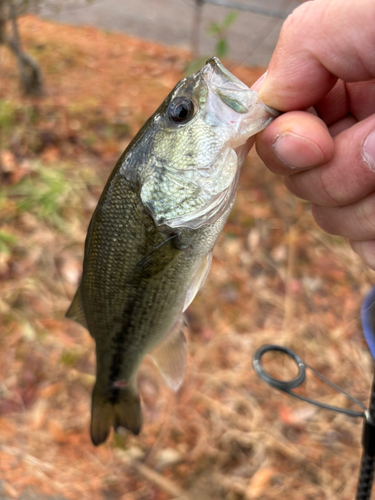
[124,410]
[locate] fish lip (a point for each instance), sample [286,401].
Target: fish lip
[228,87]
[214,68]
[273,112]
[230,84]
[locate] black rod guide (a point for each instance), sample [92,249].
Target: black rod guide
[366,474]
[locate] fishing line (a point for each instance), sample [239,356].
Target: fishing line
[72,7]
[189,3]
[271,25]
[268,27]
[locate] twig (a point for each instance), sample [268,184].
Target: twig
[279,443]
[151,475]
[289,299]
[238,420]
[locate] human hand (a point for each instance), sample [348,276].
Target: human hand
[325,58]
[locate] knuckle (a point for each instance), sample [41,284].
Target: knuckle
[328,188]
[297,20]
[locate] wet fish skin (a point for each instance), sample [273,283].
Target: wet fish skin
[137,304]
[149,240]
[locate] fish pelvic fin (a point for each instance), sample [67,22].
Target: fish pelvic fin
[120,407]
[76,311]
[198,279]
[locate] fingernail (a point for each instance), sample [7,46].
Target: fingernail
[297,152]
[368,151]
[256,86]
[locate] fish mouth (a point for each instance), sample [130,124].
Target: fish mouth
[230,89]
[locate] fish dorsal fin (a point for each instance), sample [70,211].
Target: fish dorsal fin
[198,279]
[170,356]
[76,311]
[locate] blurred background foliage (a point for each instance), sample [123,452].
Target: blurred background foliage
[275,278]
[217,30]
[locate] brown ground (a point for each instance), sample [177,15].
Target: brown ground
[275,278]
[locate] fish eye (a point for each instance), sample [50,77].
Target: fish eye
[181,110]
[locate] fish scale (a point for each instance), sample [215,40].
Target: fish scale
[136,309]
[150,240]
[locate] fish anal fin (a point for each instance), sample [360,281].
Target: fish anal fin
[198,279]
[170,356]
[76,311]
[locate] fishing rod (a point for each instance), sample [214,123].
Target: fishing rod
[366,472]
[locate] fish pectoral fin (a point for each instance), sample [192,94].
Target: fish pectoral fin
[156,260]
[198,279]
[76,311]
[170,356]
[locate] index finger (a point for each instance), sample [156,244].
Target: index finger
[320,42]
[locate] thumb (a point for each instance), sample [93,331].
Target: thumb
[347,177]
[320,41]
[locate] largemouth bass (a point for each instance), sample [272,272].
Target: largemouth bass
[149,243]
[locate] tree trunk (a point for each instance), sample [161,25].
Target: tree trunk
[30,74]
[3,22]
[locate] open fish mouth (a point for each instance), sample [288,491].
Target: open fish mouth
[215,73]
[230,89]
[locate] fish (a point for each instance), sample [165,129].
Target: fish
[149,243]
